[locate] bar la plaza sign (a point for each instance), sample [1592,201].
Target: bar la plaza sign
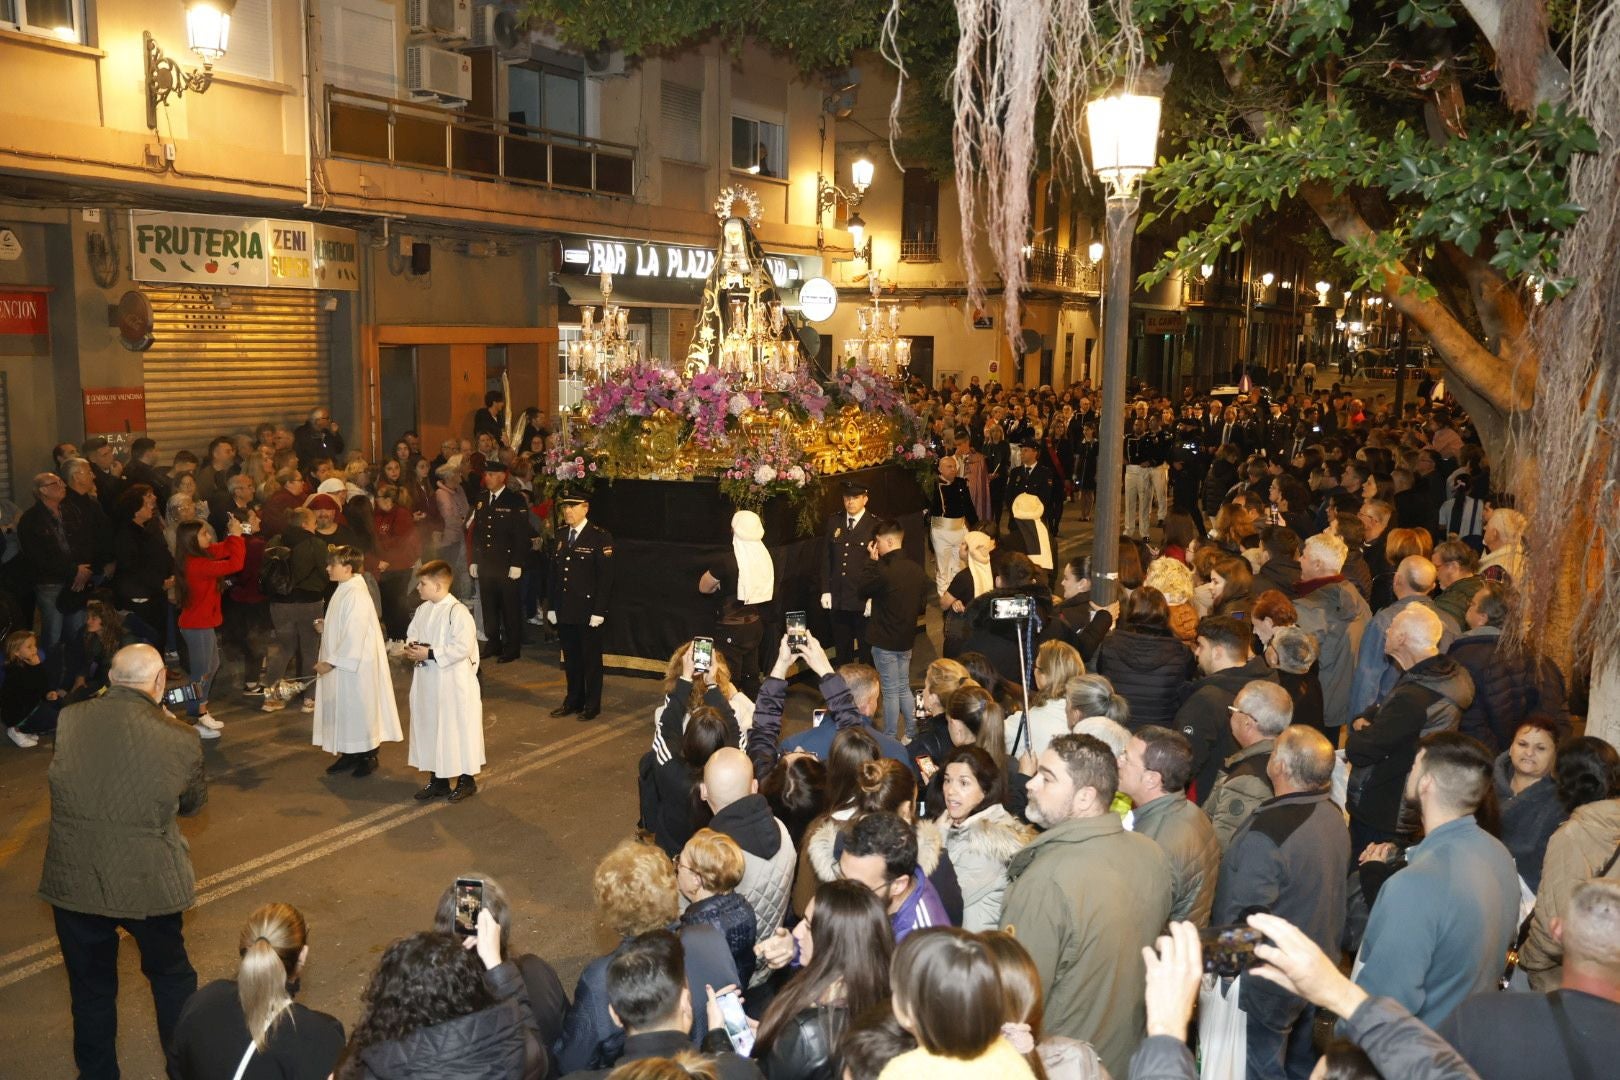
[674,262]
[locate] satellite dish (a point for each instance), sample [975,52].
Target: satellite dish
[135,321]
[1030,341]
[507,32]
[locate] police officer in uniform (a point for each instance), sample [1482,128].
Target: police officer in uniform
[844,569]
[581,581]
[500,547]
[1032,476]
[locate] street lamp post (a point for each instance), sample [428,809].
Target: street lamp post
[1124,130]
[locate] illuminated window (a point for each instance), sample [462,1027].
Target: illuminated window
[62,19]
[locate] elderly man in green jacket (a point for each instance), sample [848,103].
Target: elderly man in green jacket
[116,860]
[1086,898]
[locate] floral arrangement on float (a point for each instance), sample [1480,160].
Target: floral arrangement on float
[773,467]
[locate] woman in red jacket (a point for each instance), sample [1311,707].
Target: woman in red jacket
[204,563]
[398,546]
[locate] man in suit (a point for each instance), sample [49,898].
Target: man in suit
[500,547]
[844,569]
[1229,429]
[1032,476]
[581,582]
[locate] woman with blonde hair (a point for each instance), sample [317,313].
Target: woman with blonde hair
[250,1027]
[1174,580]
[932,742]
[636,891]
[1050,1057]
[707,872]
[1056,662]
[686,689]
[1504,546]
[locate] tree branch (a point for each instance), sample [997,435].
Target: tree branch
[1489,377]
[1531,72]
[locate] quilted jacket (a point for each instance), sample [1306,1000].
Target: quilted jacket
[980,849]
[121,773]
[1185,834]
[768,858]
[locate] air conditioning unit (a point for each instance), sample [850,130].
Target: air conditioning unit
[606,64]
[497,26]
[438,74]
[448,20]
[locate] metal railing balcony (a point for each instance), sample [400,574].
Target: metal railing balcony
[916,249]
[1052,265]
[369,127]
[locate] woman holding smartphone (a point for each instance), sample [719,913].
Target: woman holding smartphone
[205,562]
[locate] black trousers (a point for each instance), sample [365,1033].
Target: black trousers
[582,663]
[502,600]
[90,953]
[849,637]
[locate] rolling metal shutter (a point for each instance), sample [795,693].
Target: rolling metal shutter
[216,370]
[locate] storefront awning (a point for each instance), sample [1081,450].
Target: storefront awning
[586,289]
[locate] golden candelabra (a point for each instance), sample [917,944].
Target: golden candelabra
[880,346]
[604,348]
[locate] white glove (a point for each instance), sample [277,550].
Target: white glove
[597,620]
[868,612]
[551,617]
[472,571]
[514,572]
[826,600]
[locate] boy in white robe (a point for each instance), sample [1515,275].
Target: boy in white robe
[447,707]
[354,692]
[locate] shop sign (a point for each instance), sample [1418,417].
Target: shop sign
[1164,322]
[10,246]
[818,299]
[674,262]
[26,314]
[205,249]
[111,409]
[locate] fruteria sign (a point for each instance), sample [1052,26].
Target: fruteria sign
[206,249]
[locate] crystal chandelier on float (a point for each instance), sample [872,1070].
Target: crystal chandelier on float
[603,349]
[753,345]
[881,346]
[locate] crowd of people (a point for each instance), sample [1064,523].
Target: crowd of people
[1295,771]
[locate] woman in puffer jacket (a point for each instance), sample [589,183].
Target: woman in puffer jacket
[980,835]
[435,1010]
[1144,660]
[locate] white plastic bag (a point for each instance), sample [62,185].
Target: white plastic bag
[1223,1031]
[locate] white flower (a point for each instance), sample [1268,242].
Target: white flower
[739,404]
[919,451]
[764,474]
[796,474]
[858,392]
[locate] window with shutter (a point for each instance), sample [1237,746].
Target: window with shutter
[252,43]
[359,45]
[683,123]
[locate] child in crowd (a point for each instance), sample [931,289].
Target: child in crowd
[354,694]
[447,709]
[87,657]
[28,703]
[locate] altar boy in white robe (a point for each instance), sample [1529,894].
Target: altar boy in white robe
[447,707]
[354,693]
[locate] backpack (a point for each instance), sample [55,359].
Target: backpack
[276,572]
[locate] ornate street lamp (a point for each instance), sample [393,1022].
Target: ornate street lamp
[208,32]
[1124,137]
[828,193]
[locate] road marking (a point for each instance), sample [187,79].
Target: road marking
[244,875]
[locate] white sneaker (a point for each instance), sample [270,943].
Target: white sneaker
[22,738]
[206,732]
[207,721]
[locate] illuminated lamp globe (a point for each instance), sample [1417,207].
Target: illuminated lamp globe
[857,231]
[1207,271]
[208,27]
[1095,251]
[1124,130]
[860,173]
[1267,278]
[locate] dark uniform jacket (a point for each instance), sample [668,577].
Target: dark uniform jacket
[121,773]
[1037,480]
[847,561]
[500,531]
[581,574]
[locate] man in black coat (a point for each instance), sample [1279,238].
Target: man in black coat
[500,547]
[1205,716]
[491,419]
[1031,476]
[581,583]
[898,589]
[843,569]
[142,469]
[317,438]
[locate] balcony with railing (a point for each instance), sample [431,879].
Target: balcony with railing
[1061,268]
[919,249]
[368,127]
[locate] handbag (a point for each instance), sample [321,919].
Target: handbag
[1223,1031]
[1509,972]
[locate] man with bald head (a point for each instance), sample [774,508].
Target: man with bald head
[123,770]
[1287,858]
[1375,676]
[742,813]
[1428,697]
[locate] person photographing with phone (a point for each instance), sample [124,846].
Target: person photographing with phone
[205,561]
